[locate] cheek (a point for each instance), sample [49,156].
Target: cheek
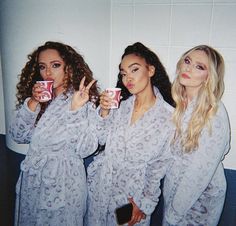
[202,77]
[43,74]
[144,78]
[124,81]
[59,75]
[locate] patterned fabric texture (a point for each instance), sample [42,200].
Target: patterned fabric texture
[135,159]
[52,187]
[195,186]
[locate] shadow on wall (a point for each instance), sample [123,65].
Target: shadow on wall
[9,172]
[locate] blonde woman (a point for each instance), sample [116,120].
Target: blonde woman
[194,188]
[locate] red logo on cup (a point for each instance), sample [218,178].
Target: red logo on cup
[47,93]
[114,93]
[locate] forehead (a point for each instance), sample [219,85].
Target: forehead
[132,59]
[49,55]
[199,56]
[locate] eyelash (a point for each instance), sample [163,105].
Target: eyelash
[55,65]
[41,67]
[186,61]
[199,67]
[132,71]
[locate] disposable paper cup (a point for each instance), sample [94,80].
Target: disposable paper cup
[47,93]
[114,93]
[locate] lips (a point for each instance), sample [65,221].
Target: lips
[129,86]
[185,76]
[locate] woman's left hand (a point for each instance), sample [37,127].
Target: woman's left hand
[81,96]
[137,214]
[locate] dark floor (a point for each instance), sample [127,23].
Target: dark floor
[9,172]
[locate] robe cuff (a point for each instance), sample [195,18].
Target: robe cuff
[146,205]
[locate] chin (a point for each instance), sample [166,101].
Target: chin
[132,91]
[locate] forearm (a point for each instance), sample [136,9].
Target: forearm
[23,125]
[154,174]
[201,166]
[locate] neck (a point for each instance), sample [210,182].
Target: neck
[191,94]
[58,90]
[142,104]
[145,100]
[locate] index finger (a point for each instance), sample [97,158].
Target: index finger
[81,85]
[90,84]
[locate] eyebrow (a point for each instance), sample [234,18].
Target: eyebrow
[51,62]
[197,62]
[121,69]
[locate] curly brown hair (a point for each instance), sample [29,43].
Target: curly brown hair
[75,69]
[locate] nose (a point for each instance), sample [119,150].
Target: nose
[188,67]
[48,71]
[129,77]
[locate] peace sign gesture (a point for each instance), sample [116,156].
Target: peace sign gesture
[81,96]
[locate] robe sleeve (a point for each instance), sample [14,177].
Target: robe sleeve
[22,127]
[198,175]
[155,171]
[80,131]
[102,125]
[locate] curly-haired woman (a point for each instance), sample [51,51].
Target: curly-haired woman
[51,189]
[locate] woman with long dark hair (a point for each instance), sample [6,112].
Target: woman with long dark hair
[137,137]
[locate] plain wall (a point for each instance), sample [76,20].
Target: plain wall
[2,115]
[101,29]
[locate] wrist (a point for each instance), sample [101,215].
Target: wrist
[104,112]
[32,104]
[75,107]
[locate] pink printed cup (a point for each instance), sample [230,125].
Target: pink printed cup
[47,92]
[114,93]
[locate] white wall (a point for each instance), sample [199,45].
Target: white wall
[172,26]
[2,114]
[25,24]
[101,29]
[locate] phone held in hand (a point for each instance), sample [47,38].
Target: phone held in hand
[124,213]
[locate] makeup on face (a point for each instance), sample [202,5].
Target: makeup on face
[51,67]
[135,73]
[194,69]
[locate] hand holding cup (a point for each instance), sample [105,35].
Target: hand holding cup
[109,99]
[43,91]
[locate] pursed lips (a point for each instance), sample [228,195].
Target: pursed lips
[129,86]
[185,76]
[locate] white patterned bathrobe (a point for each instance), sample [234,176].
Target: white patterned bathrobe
[52,186]
[135,159]
[195,186]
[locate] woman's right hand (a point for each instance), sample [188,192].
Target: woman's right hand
[35,98]
[37,92]
[105,104]
[137,214]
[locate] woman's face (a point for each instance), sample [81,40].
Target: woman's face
[193,70]
[51,67]
[136,73]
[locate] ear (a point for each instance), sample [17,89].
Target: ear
[151,70]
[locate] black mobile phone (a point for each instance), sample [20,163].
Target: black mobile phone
[124,213]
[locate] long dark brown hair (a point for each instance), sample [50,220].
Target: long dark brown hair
[160,79]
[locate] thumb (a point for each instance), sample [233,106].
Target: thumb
[131,200]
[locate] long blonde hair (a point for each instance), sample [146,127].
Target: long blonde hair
[207,101]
